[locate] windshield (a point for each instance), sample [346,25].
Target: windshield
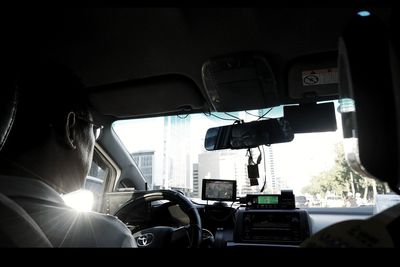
[170,153]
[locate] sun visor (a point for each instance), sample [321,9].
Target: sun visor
[311,117]
[150,96]
[242,81]
[313,78]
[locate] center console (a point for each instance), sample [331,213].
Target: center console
[271,220]
[260,220]
[284,227]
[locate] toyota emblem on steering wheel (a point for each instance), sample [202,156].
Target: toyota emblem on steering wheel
[145,240]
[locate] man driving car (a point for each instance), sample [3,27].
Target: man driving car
[49,152]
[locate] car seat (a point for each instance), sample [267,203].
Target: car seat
[17,228]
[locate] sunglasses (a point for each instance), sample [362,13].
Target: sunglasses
[96,128]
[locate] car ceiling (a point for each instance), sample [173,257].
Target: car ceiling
[111,45]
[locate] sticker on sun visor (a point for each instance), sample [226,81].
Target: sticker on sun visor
[320,77]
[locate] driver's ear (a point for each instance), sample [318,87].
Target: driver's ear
[70,130]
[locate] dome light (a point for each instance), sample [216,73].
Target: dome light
[363,13]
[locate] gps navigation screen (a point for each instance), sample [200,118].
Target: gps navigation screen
[221,190]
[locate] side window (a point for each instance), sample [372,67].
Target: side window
[100,175]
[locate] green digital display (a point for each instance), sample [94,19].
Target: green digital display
[267,200]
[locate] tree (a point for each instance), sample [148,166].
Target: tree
[341,180]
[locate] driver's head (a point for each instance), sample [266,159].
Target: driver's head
[52,137]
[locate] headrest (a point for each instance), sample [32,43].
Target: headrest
[369,97]
[8,108]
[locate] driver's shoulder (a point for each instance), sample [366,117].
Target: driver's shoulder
[107,230]
[106,219]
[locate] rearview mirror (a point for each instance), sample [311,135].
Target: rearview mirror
[249,135]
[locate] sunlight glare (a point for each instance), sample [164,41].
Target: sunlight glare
[80,200]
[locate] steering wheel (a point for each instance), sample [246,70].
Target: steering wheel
[164,236]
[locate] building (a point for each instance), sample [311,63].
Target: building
[274,182]
[177,168]
[145,161]
[196,193]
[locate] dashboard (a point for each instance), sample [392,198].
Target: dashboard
[258,220]
[261,220]
[239,226]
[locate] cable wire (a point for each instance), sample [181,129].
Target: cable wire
[237,118]
[264,114]
[265,170]
[219,219]
[252,114]
[210,114]
[182,116]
